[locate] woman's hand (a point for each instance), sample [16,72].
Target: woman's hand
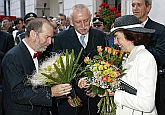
[110,93]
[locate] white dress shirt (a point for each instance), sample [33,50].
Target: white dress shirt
[85,38]
[144,23]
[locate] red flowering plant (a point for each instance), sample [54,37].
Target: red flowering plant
[103,72]
[109,14]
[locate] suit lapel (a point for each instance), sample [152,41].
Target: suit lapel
[149,24]
[28,61]
[91,41]
[73,39]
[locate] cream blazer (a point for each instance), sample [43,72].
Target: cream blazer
[141,74]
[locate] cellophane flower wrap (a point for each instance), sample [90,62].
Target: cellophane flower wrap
[58,69]
[104,72]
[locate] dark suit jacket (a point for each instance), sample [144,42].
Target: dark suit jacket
[157,48]
[19,97]
[68,40]
[6,43]
[157,45]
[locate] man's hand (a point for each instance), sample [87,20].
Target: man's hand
[60,90]
[82,83]
[90,93]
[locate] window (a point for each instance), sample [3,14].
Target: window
[114,3]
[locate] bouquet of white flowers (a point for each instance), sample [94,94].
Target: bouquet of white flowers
[60,68]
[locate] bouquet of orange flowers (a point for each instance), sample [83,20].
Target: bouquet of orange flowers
[104,72]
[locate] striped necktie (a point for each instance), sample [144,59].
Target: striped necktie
[82,41]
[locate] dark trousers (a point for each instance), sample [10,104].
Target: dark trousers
[160,94]
[0,99]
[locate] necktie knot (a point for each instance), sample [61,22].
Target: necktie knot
[82,37]
[82,40]
[36,55]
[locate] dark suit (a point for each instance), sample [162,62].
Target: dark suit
[157,48]
[6,43]
[19,97]
[68,40]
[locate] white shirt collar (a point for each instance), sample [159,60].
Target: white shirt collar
[29,48]
[86,36]
[144,23]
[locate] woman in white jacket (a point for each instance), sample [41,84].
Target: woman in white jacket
[140,65]
[141,68]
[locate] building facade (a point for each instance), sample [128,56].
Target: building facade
[46,7]
[19,8]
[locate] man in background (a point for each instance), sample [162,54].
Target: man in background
[6,24]
[141,9]
[81,35]
[98,23]
[19,25]
[21,34]
[61,22]
[6,43]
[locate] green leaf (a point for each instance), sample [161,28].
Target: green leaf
[97,57]
[76,63]
[49,76]
[72,64]
[54,80]
[99,105]
[89,74]
[59,72]
[62,65]
[97,90]
[67,64]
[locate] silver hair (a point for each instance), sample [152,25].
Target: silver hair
[78,8]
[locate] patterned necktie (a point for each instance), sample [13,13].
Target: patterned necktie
[82,41]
